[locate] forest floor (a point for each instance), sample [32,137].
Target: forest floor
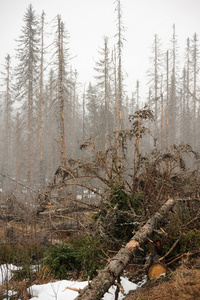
[181,284]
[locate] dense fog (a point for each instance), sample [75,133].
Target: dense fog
[45,115]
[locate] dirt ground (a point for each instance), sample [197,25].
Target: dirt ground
[181,284]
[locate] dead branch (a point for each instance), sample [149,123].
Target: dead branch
[170,250]
[175,259]
[73,289]
[24,185]
[98,157]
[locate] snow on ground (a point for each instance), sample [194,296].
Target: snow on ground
[58,290]
[6,272]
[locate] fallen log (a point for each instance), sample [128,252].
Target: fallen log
[106,278]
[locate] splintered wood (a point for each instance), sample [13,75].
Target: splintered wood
[132,244]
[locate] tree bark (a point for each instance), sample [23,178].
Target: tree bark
[61,120]
[106,278]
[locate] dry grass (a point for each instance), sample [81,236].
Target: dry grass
[21,287]
[2,233]
[183,285]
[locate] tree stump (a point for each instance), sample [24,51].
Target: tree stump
[156,270]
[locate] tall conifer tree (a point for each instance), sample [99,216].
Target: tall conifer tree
[27,81]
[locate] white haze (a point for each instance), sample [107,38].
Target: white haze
[89,20]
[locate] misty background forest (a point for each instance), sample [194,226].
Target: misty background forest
[42,104]
[78,158]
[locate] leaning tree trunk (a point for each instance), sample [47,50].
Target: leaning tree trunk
[106,278]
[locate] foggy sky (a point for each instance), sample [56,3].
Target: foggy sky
[89,20]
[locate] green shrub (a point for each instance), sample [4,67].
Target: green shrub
[119,197]
[91,255]
[116,219]
[84,255]
[62,259]
[24,272]
[190,241]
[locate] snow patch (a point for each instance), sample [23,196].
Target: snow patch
[58,290]
[6,272]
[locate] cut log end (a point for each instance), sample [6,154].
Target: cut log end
[156,270]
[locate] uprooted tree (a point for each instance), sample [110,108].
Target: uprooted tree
[124,185]
[127,184]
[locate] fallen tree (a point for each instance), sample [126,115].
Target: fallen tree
[106,278]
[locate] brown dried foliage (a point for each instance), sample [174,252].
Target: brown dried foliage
[183,285]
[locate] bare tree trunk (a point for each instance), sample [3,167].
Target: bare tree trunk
[187,136]
[167,104]
[30,135]
[138,94]
[167,111]
[7,122]
[42,181]
[156,84]
[162,116]
[194,89]
[120,45]
[116,101]
[84,129]
[106,89]
[61,95]
[106,278]
[173,95]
